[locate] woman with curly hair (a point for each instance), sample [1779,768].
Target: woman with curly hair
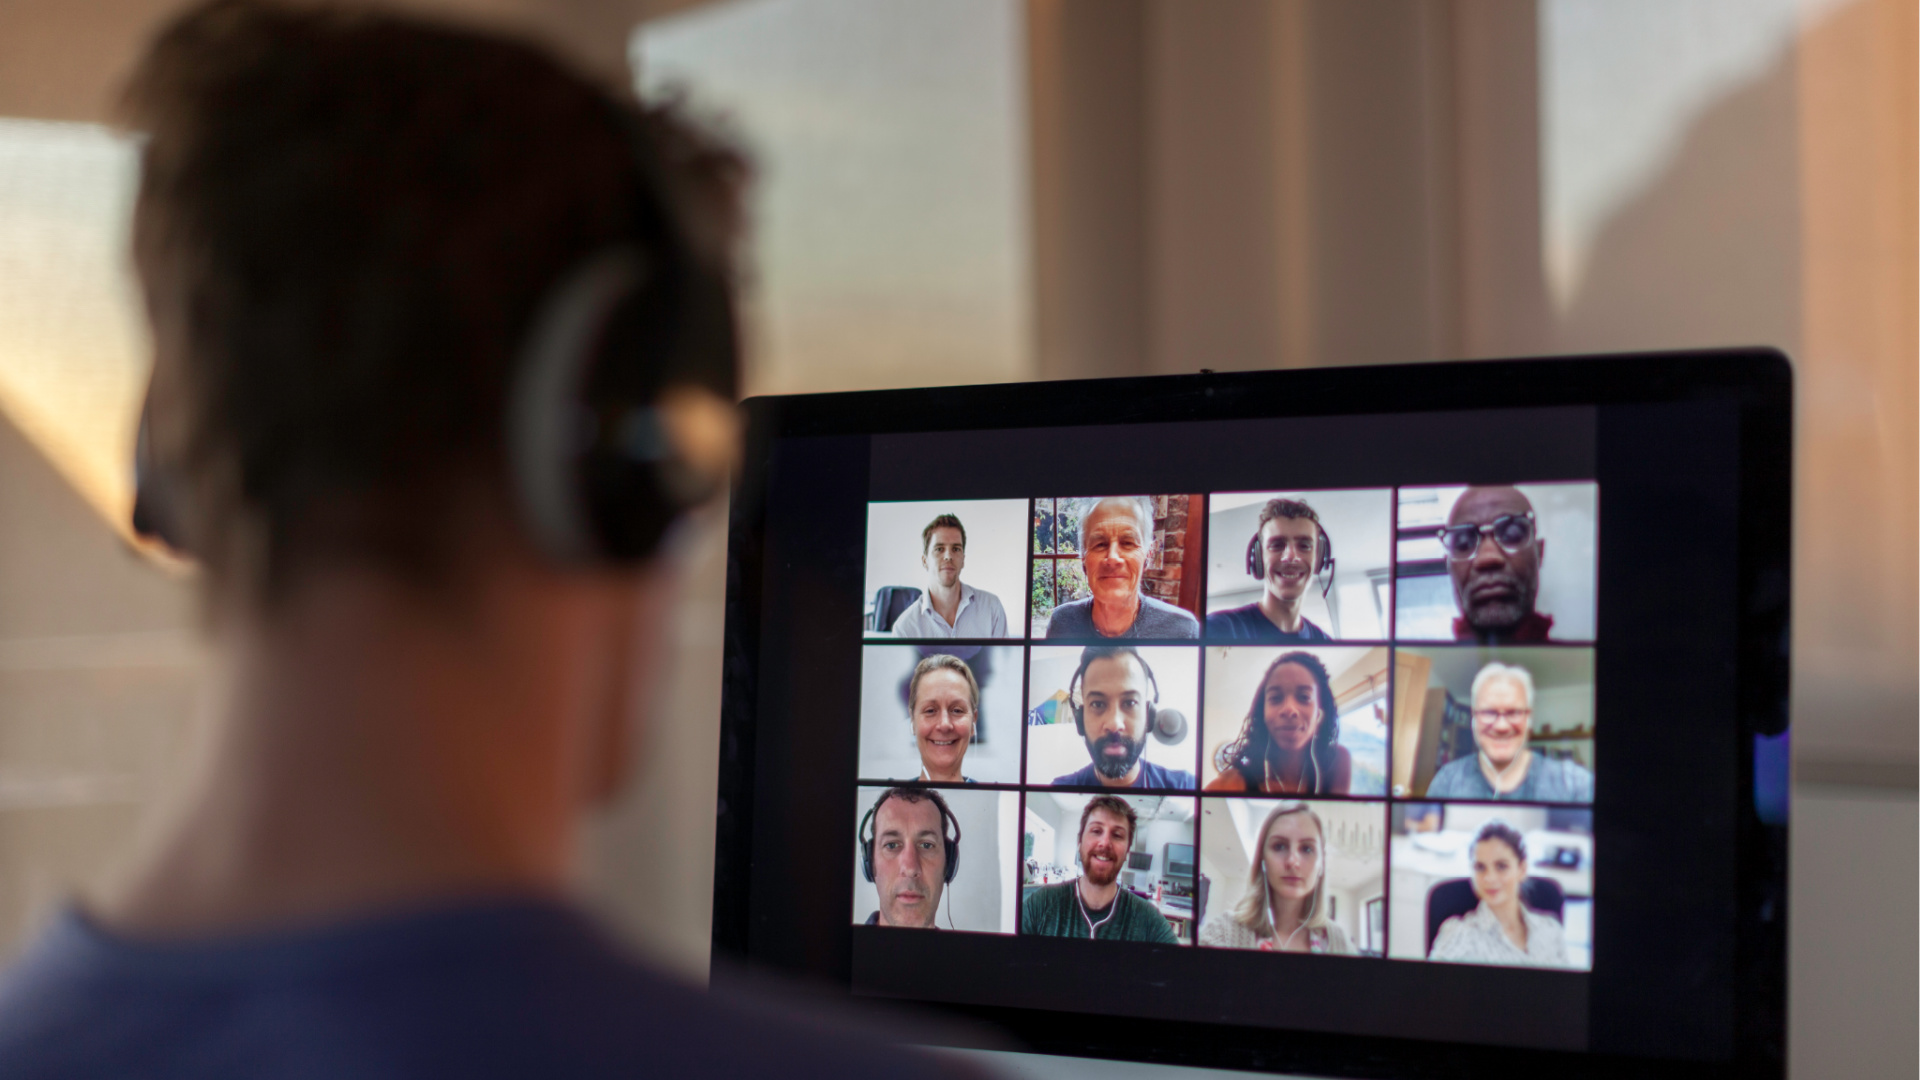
[1289,743]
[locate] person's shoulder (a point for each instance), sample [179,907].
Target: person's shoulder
[1082,775]
[1160,776]
[1451,940]
[913,621]
[1232,622]
[426,990]
[1311,633]
[1158,618]
[1229,780]
[1071,619]
[1453,779]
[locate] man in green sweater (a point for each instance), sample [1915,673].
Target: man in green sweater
[1095,906]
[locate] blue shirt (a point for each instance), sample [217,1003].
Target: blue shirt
[483,990]
[1548,780]
[1249,624]
[1151,776]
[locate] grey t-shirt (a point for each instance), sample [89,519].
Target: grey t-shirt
[1156,619]
[1548,780]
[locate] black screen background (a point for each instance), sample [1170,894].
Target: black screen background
[1662,983]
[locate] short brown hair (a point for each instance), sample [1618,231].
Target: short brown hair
[1115,805]
[1291,509]
[944,521]
[345,223]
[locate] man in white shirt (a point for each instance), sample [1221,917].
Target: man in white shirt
[949,609]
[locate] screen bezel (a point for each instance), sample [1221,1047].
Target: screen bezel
[1757,381]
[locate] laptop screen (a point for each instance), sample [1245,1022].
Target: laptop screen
[1410,726]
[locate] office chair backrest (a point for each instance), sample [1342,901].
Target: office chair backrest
[889,603]
[1455,897]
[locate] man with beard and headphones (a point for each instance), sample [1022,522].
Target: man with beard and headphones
[1115,709]
[1094,905]
[443,355]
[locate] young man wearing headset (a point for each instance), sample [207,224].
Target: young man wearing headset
[443,348]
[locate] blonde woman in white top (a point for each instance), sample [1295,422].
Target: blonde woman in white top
[1502,929]
[1284,907]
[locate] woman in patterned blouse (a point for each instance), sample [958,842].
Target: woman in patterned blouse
[1502,929]
[1284,908]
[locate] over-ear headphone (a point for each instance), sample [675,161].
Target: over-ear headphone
[947,820]
[1323,561]
[1098,652]
[620,412]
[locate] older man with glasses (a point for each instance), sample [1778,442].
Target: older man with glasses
[1503,767]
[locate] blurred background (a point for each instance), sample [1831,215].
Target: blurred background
[958,191]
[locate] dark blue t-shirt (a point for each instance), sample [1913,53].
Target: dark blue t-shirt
[1151,776]
[1248,624]
[499,989]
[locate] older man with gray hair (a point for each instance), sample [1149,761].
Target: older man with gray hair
[1116,537]
[1503,767]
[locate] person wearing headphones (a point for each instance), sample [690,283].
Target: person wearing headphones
[1501,929]
[1288,551]
[443,350]
[1289,743]
[1285,906]
[910,856]
[1094,906]
[1503,766]
[1115,710]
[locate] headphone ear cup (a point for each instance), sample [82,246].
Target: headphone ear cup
[1256,566]
[866,859]
[1080,720]
[953,859]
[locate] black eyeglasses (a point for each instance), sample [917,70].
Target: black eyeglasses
[1511,531]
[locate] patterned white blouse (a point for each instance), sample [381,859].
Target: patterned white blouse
[1476,938]
[1223,931]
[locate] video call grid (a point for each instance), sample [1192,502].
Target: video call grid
[1386,799]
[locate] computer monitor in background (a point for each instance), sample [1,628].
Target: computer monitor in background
[1413,720]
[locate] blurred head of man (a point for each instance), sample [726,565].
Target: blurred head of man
[1106,834]
[909,857]
[1494,553]
[346,223]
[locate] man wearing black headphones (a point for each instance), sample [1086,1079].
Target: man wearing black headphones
[1116,702]
[443,350]
[1288,551]
[911,855]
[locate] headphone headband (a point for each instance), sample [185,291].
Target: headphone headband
[913,794]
